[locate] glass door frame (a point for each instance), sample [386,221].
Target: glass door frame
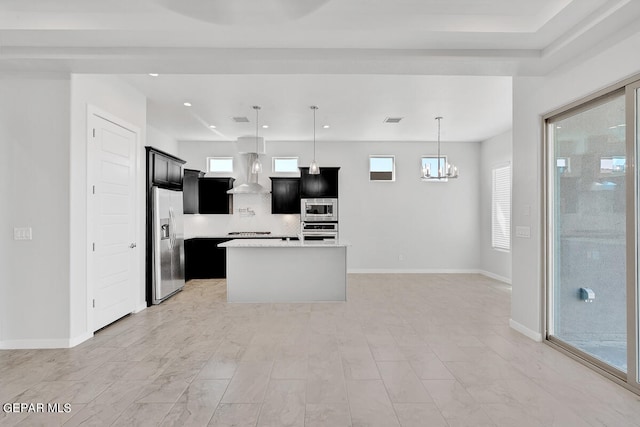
[633,199]
[630,88]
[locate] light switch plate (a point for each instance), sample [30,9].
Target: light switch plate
[22,233]
[523,231]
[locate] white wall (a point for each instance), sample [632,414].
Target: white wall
[431,226]
[6,232]
[112,96]
[34,275]
[533,97]
[161,141]
[494,152]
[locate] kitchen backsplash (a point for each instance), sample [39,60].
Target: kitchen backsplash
[251,212]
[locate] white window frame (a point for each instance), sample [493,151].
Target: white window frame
[273,164]
[501,185]
[393,167]
[435,158]
[208,165]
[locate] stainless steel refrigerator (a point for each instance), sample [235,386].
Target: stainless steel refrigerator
[168,243]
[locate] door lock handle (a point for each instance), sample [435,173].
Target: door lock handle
[133,245]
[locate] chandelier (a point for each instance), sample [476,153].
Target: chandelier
[445,170]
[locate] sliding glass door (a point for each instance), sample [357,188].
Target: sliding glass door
[587,232]
[633,221]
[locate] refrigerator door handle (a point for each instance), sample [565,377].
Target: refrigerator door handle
[172,229]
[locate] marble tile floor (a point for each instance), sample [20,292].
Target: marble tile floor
[405,350]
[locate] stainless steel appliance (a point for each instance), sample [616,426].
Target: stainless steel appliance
[168,243]
[312,210]
[325,231]
[248,234]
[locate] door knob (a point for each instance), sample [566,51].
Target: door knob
[133,245]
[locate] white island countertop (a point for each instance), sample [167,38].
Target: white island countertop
[270,270]
[275,243]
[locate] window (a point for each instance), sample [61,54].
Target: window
[431,163]
[501,208]
[219,164]
[285,164]
[382,168]
[562,163]
[612,164]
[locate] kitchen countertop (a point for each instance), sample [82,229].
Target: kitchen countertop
[274,243]
[226,236]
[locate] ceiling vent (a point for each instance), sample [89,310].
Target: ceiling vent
[392,119]
[241,120]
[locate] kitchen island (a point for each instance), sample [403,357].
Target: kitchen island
[285,271]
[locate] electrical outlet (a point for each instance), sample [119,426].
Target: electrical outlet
[400,257]
[22,233]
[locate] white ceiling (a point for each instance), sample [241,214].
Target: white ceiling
[354,106]
[358,60]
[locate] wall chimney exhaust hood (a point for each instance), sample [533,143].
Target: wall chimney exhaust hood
[251,185]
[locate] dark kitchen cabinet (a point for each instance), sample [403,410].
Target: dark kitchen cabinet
[213,197]
[164,169]
[285,195]
[203,259]
[190,191]
[324,185]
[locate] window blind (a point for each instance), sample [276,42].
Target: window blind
[501,208]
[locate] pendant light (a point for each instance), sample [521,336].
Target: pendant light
[256,166]
[445,170]
[314,169]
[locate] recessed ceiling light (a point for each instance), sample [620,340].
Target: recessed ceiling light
[326,127]
[392,119]
[212,126]
[154,74]
[265,126]
[187,104]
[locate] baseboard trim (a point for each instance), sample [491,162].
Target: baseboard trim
[495,276]
[529,333]
[411,271]
[35,344]
[140,307]
[80,339]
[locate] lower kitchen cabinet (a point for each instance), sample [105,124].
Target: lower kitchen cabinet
[203,259]
[285,195]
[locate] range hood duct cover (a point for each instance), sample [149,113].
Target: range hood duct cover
[251,144]
[251,186]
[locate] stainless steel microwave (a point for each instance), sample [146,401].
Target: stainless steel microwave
[319,210]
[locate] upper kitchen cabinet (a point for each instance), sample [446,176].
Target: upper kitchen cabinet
[164,170]
[285,195]
[213,197]
[190,191]
[324,185]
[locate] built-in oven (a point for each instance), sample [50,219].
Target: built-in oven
[313,210]
[324,231]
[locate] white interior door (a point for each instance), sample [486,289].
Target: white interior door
[112,219]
